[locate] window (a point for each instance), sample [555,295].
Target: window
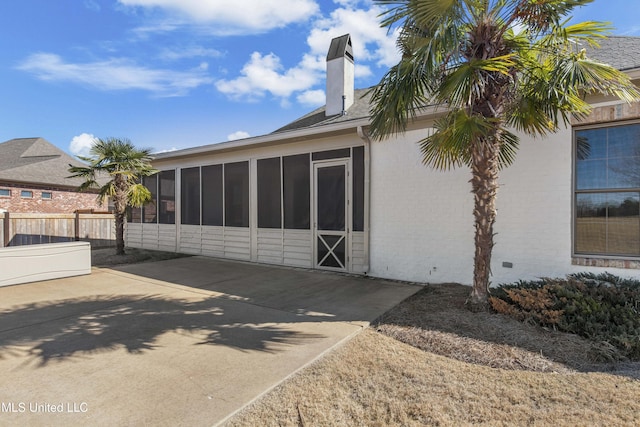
[296,191]
[269,193]
[212,195]
[190,196]
[236,194]
[167,199]
[607,191]
[5,192]
[26,194]
[46,195]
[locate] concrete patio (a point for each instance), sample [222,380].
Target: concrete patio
[182,342]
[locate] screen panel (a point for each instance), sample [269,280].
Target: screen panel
[190,196]
[269,193]
[236,194]
[212,195]
[296,191]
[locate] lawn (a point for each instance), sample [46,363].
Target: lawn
[430,362]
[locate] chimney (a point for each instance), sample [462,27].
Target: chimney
[340,72]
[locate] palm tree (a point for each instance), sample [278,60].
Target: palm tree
[124,165]
[495,66]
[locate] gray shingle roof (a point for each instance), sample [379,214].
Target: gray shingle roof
[620,52]
[36,161]
[359,110]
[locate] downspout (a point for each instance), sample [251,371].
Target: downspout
[367,194]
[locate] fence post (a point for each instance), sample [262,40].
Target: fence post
[5,229]
[76,227]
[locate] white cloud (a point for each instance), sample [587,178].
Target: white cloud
[370,41]
[264,73]
[190,52]
[238,135]
[81,144]
[246,16]
[115,74]
[312,98]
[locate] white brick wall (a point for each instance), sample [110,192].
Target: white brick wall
[422,224]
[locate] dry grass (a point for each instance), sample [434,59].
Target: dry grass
[431,362]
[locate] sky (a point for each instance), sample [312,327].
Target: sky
[173,74]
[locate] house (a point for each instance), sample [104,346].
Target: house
[317,193]
[34,179]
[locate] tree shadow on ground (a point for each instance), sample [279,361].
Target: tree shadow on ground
[436,320]
[64,329]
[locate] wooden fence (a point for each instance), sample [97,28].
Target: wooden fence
[33,228]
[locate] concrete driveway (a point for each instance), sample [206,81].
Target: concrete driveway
[182,342]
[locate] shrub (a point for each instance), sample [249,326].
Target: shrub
[603,308]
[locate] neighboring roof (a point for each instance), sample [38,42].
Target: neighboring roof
[36,161]
[621,52]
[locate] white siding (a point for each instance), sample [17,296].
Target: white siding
[297,248]
[212,241]
[237,243]
[190,239]
[358,260]
[167,237]
[133,234]
[270,246]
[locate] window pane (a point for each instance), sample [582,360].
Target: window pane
[149,211]
[27,194]
[624,172]
[591,174]
[591,223]
[623,141]
[296,191]
[591,144]
[4,192]
[167,206]
[623,223]
[47,195]
[608,223]
[608,158]
[358,188]
[269,189]
[236,194]
[190,196]
[212,195]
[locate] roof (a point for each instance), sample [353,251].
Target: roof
[36,161]
[621,52]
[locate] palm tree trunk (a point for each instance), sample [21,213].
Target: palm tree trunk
[484,184]
[119,216]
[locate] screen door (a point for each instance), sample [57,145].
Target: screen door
[330,215]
